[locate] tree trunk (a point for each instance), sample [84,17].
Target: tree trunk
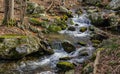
[23,10]
[8,11]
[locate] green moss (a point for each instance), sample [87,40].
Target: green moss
[9,23]
[34,21]
[96,41]
[61,22]
[12,36]
[65,58]
[83,29]
[65,66]
[54,28]
[82,43]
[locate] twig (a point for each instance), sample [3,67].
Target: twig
[49,7]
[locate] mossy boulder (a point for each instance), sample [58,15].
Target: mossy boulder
[68,47]
[16,46]
[65,66]
[114,4]
[83,29]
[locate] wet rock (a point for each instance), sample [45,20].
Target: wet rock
[91,28]
[83,29]
[82,43]
[15,47]
[71,28]
[85,53]
[68,47]
[114,4]
[46,48]
[65,58]
[65,66]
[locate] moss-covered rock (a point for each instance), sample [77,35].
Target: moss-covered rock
[65,66]
[16,46]
[83,29]
[68,47]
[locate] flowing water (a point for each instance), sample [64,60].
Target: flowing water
[75,36]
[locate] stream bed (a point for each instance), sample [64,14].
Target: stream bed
[74,36]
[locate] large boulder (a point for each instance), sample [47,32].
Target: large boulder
[31,7]
[34,8]
[68,47]
[100,19]
[114,4]
[15,47]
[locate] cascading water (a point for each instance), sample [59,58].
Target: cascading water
[76,35]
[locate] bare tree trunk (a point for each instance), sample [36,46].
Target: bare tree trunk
[23,10]
[9,11]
